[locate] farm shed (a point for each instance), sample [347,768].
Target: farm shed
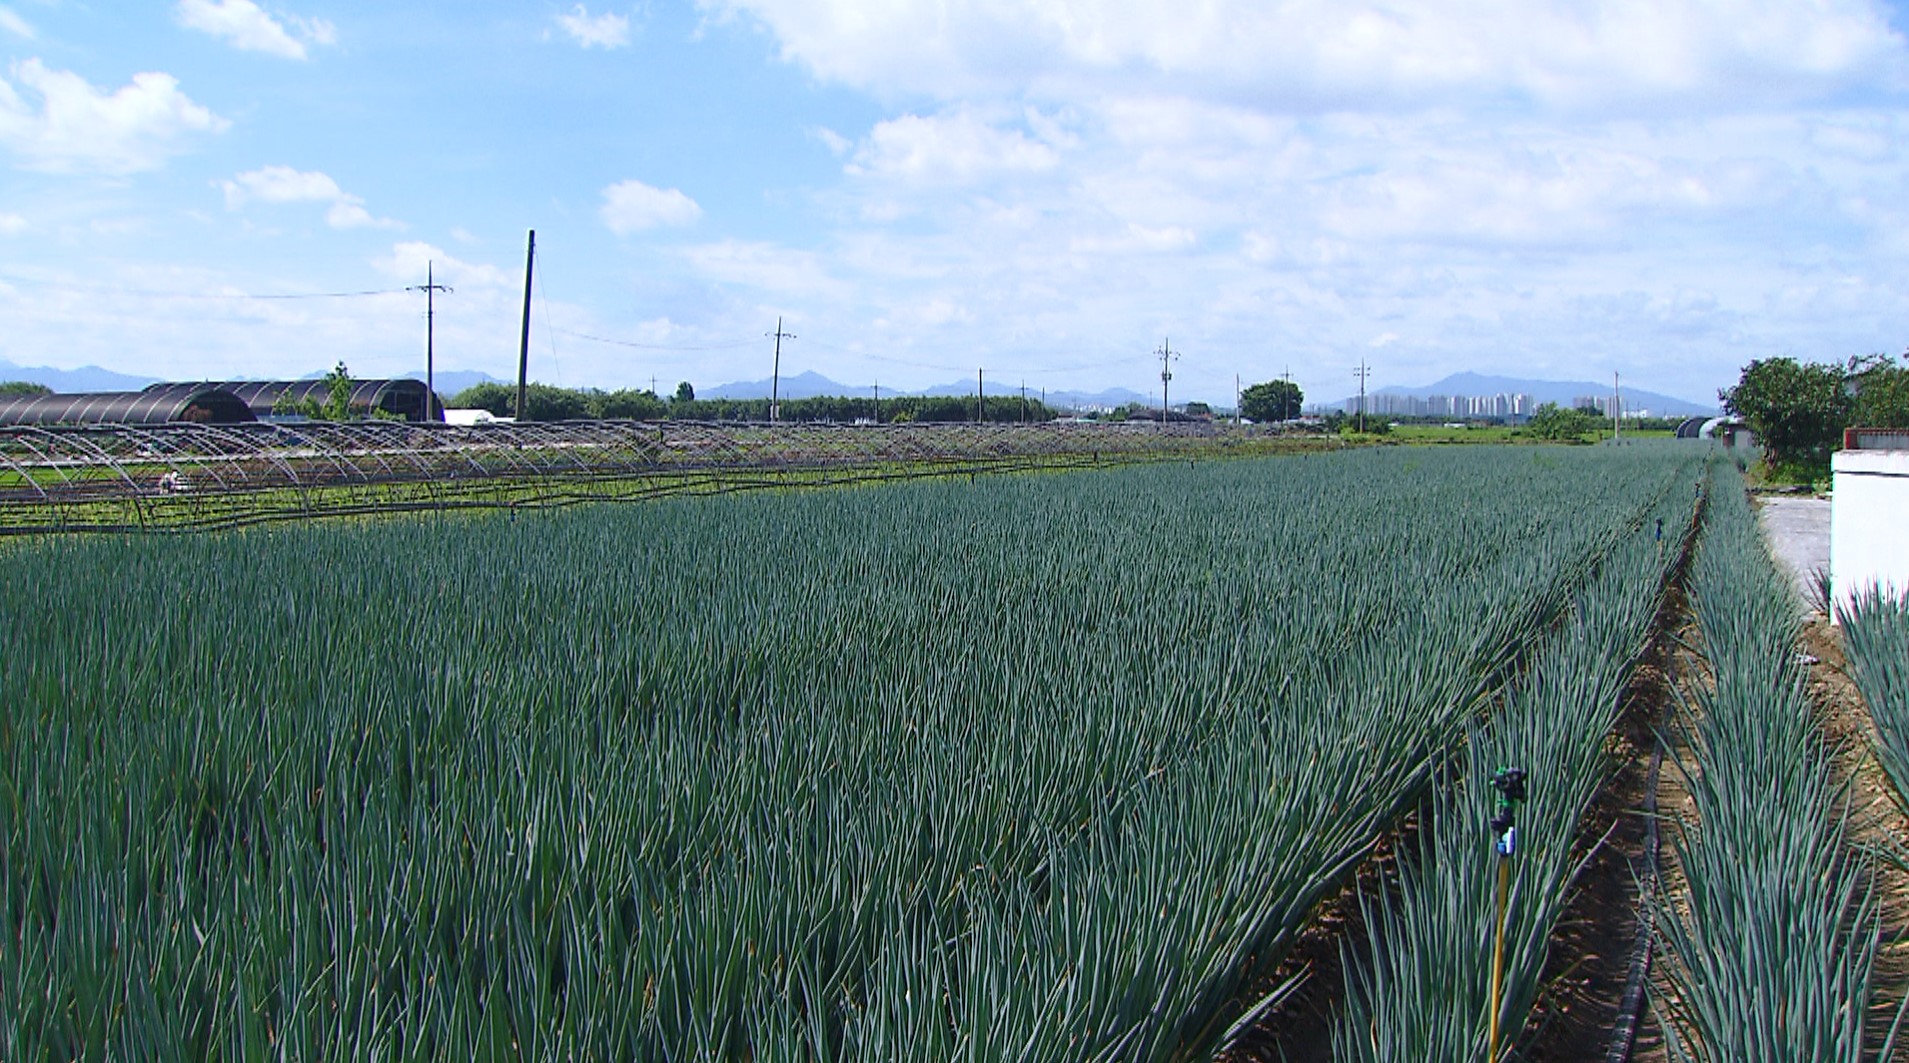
[402,398]
[1868,542]
[193,403]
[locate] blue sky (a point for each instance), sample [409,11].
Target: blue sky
[920,188]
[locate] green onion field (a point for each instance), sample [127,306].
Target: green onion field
[1048,767]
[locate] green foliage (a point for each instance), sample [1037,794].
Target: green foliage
[735,778]
[1774,940]
[20,388]
[684,393]
[549,403]
[1553,422]
[1798,411]
[1881,392]
[1876,633]
[1275,400]
[338,394]
[336,407]
[1422,989]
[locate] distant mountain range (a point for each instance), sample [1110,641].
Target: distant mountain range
[1562,392]
[88,378]
[84,379]
[810,384]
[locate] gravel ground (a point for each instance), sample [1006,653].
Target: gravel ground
[1797,529]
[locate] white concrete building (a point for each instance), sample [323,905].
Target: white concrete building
[1869,515]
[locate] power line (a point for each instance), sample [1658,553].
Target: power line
[146,294]
[650,346]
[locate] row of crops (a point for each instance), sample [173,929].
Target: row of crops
[1042,768]
[1424,987]
[1774,937]
[1876,635]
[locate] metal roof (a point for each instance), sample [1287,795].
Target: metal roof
[402,397]
[191,403]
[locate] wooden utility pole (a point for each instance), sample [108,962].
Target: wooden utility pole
[1167,356]
[430,289]
[523,339]
[1617,406]
[878,402]
[980,400]
[1362,372]
[775,372]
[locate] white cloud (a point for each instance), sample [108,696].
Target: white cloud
[251,29]
[12,224]
[767,267]
[837,144]
[1137,238]
[408,260]
[953,148]
[282,184]
[632,206]
[78,129]
[608,30]
[14,24]
[1312,55]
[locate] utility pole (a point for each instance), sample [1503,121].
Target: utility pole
[1617,406]
[1362,372]
[1236,401]
[1023,402]
[1167,356]
[775,373]
[523,340]
[878,402]
[430,290]
[980,398]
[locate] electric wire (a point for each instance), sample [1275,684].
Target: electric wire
[651,346]
[147,294]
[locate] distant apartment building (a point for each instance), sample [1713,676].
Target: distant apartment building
[1501,407]
[1602,403]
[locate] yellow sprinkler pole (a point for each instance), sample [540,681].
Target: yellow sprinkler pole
[1510,784]
[1498,955]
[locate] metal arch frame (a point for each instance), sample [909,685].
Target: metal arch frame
[451,464]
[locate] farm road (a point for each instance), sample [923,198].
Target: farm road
[1797,531]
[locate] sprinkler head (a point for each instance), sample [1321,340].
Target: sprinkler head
[1510,784]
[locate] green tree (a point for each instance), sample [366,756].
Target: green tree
[1275,400]
[626,404]
[337,404]
[684,393]
[1797,411]
[12,389]
[338,385]
[1554,422]
[1880,390]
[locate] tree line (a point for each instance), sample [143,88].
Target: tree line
[544,402]
[1799,410]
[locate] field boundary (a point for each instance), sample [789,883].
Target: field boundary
[187,477]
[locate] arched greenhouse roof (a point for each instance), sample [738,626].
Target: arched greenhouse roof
[191,403]
[403,397]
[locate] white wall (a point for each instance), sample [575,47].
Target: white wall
[1869,522]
